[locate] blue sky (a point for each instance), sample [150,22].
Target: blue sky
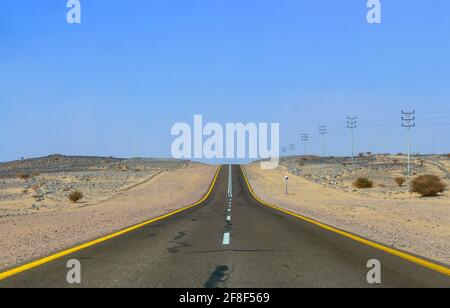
[116,84]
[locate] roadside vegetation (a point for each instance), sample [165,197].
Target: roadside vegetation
[76,196]
[428,185]
[363,183]
[400,181]
[23,176]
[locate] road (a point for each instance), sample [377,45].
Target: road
[239,244]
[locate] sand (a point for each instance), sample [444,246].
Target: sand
[29,234]
[413,224]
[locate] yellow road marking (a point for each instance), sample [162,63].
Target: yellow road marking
[436,267]
[64,253]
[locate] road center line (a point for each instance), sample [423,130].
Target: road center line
[226,238]
[230,183]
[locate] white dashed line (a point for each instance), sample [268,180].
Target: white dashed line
[226,238]
[228,218]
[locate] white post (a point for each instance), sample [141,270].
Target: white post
[286,178]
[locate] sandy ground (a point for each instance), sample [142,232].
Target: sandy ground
[27,234]
[418,225]
[340,174]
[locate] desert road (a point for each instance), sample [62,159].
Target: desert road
[237,244]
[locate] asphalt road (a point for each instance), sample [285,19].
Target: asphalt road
[214,245]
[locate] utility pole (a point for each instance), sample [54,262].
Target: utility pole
[352,124]
[323,130]
[292,148]
[304,137]
[408,122]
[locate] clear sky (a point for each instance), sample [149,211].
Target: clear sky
[116,84]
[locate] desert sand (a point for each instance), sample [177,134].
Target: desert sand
[114,199]
[388,214]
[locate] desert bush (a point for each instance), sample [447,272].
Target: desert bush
[35,187]
[123,168]
[363,183]
[76,196]
[448,155]
[400,181]
[428,185]
[23,176]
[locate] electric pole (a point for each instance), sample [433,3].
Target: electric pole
[352,124]
[292,148]
[304,138]
[323,129]
[408,122]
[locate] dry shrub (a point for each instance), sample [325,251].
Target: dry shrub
[448,155]
[123,168]
[76,196]
[363,183]
[35,187]
[428,185]
[381,185]
[400,181]
[23,176]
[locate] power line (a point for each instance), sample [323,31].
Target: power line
[304,137]
[323,130]
[352,124]
[408,122]
[292,148]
